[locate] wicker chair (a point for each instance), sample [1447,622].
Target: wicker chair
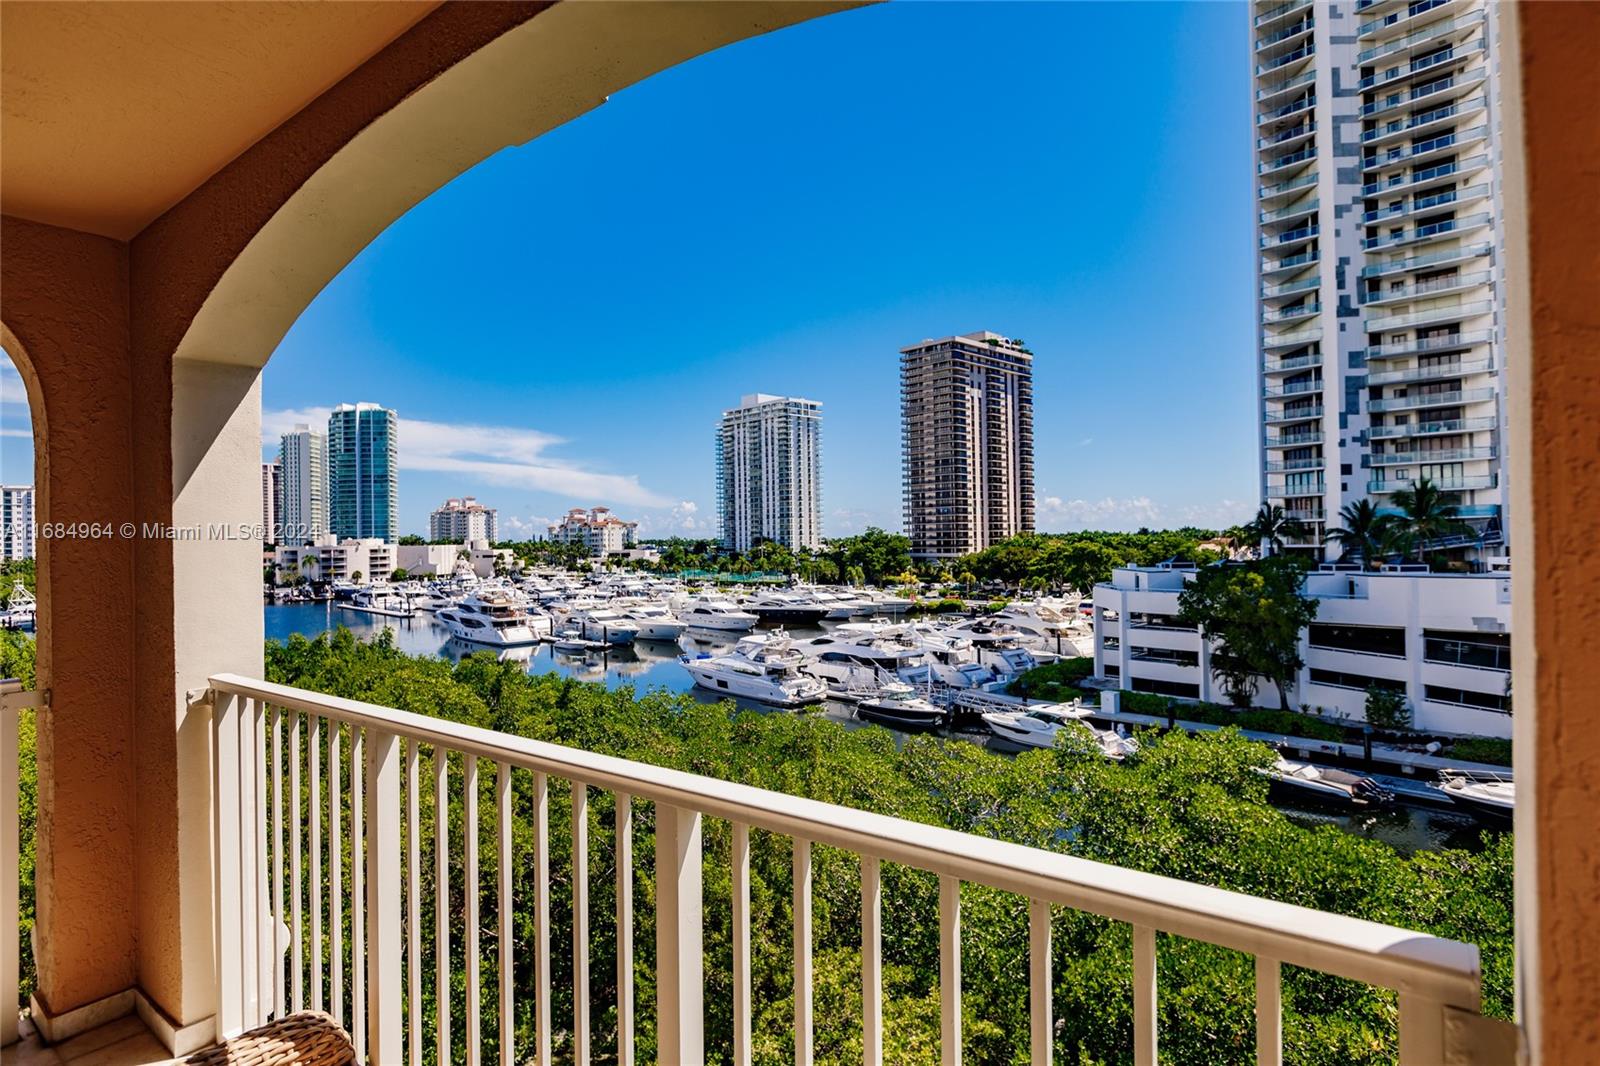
[309,1038]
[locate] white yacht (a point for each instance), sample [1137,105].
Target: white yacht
[898,705]
[785,607]
[605,624]
[761,668]
[706,612]
[862,655]
[654,620]
[1305,782]
[380,600]
[1035,727]
[493,619]
[838,605]
[1490,796]
[20,611]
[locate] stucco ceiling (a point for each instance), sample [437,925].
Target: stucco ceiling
[113,112]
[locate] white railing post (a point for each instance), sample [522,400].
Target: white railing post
[802,953]
[1421,1030]
[871,961]
[624,819]
[949,970]
[229,860]
[1040,987]
[10,870]
[1144,996]
[383,962]
[1269,1012]
[680,962]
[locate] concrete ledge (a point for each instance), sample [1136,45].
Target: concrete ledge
[181,1040]
[55,1028]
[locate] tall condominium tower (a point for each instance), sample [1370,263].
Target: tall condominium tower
[16,523]
[303,473]
[272,500]
[769,472]
[464,519]
[1380,299]
[363,479]
[966,427]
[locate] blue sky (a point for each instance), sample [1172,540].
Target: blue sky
[562,325]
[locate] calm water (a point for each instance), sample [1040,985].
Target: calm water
[652,664]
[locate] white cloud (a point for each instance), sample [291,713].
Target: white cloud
[1113,513]
[682,519]
[11,387]
[499,455]
[514,528]
[9,432]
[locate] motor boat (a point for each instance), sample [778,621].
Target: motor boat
[839,606]
[653,620]
[1038,727]
[706,612]
[381,600]
[570,639]
[761,668]
[1491,797]
[20,611]
[856,653]
[784,608]
[604,624]
[898,705]
[494,619]
[1294,781]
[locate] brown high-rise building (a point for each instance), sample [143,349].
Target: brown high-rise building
[966,429]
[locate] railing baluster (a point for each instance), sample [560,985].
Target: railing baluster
[441,901]
[278,998]
[1039,982]
[949,970]
[541,917]
[227,879]
[335,877]
[871,961]
[503,907]
[1269,1012]
[358,893]
[624,834]
[802,953]
[469,848]
[297,984]
[680,962]
[1144,996]
[314,852]
[10,871]
[254,835]
[384,1020]
[1421,1030]
[741,945]
[413,906]
[580,923]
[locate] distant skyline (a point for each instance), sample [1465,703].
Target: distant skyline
[563,325]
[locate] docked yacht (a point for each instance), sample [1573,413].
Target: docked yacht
[494,619]
[898,705]
[761,668]
[1038,727]
[380,600]
[604,624]
[653,620]
[786,608]
[20,611]
[1306,782]
[1489,796]
[706,612]
[862,654]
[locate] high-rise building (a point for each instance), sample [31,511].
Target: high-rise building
[769,472]
[462,520]
[363,475]
[272,501]
[303,473]
[602,532]
[966,428]
[16,523]
[1380,300]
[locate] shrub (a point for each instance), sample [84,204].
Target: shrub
[1387,709]
[1482,749]
[1258,719]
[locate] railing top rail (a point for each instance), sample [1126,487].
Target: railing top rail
[1443,970]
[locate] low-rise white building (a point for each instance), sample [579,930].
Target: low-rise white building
[337,559]
[1442,639]
[602,532]
[441,560]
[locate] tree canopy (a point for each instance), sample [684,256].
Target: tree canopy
[1253,614]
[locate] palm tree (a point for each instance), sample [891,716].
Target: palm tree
[1365,532]
[1272,527]
[1425,515]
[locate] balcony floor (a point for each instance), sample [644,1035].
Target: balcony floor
[124,1042]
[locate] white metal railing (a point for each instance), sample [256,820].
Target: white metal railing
[260,965]
[13,700]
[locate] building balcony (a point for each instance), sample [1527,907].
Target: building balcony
[1456,29]
[1450,455]
[1306,514]
[1292,414]
[1447,484]
[1283,162]
[1302,54]
[1285,34]
[1427,203]
[1274,89]
[1432,429]
[1292,211]
[1290,238]
[1291,314]
[1282,111]
[1448,87]
[1423,150]
[1430,231]
[1417,179]
[1289,264]
[1291,340]
[1293,134]
[1295,363]
[1427,261]
[1274,466]
[1429,316]
[1282,491]
[1431,373]
[1281,11]
[1284,188]
[1291,288]
[1436,63]
[1397,18]
[1422,122]
[1419,400]
[1297,439]
[1422,345]
[1299,388]
[1434,287]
